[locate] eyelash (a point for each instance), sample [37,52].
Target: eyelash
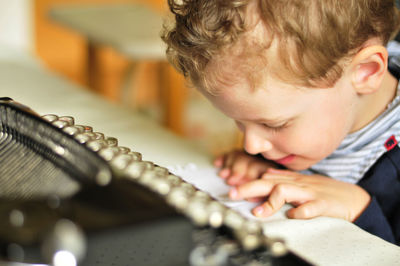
[275,129]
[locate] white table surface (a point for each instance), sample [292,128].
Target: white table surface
[323,241]
[132,29]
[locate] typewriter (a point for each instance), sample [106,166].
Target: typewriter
[72,196]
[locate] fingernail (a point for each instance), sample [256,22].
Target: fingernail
[233,193]
[258,211]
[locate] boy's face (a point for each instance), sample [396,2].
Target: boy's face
[295,127]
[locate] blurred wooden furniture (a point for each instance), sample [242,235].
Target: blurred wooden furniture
[132,30]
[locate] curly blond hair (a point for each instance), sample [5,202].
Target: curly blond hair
[314,36]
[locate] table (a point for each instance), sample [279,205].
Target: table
[324,241]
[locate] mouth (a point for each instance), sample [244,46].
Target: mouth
[285,160]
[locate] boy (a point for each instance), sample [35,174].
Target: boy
[307,82]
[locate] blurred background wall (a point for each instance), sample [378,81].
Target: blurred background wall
[16,27]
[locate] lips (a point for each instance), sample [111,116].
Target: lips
[286,160]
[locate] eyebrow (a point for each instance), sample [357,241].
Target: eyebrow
[274,121]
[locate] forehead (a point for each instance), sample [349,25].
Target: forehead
[272,101]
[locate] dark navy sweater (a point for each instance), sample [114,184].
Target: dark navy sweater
[382,182]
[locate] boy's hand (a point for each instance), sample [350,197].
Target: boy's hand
[311,195]
[238,167]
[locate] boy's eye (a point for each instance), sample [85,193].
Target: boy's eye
[274,128]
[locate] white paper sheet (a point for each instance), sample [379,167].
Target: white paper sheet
[323,240]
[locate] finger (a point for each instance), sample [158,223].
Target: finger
[256,199]
[224,173]
[277,177]
[219,161]
[256,169]
[229,159]
[235,180]
[307,210]
[256,188]
[284,172]
[280,195]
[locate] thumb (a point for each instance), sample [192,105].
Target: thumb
[308,210]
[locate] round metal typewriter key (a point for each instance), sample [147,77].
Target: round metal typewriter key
[71,130]
[59,150]
[197,211]
[82,138]
[135,169]
[50,118]
[53,201]
[121,161]
[147,177]
[113,142]
[98,135]
[17,218]
[233,219]
[189,188]
[80,128]
[201,194]
[174,180]
[108,153]
[250,241]
[124,149]
[135,156]
[216,214]
[64,244]
[161,171]
[59,124]
[178,198]
[103,178]
[96,145]
[91,135]
[161,186]
[69,119]
[88,129]
[276,246]
[252,227]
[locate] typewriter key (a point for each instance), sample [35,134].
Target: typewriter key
[80,128]
[135,156]
[98,135]
[59,124]
[135,169]
[174,180]
[113,142]
[276,246]
[178,198]
[71,130]
[121,161]
[161,171]
[50,118]
[124,149]
[88,129]
[233,219]
[161,186]
[69,119]
[197,211]
[216,213]
[96,145]
[82,138]
[108,153]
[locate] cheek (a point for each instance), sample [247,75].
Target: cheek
[315,137]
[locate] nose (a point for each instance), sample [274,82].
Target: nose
[254,144]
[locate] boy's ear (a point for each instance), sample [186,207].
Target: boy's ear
[368,67]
